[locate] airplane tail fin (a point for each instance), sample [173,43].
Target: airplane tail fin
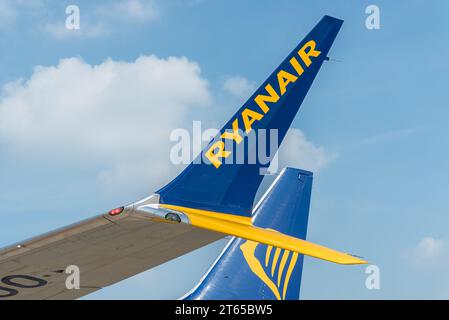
[227,173]
[251,270]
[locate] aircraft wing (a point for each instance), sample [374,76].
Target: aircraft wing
[106,249]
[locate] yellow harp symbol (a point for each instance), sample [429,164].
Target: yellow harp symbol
[274,283]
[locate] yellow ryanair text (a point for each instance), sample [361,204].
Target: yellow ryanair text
[217,152]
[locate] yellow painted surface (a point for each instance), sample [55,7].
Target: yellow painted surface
[242,227]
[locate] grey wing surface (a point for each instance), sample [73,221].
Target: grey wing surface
[106,249]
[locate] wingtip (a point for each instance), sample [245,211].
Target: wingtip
[355,260]
[333,19]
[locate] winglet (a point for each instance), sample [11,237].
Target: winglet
[244,229]
[226,175]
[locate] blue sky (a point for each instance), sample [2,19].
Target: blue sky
[376,123]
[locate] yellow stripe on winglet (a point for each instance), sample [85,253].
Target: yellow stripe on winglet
[238,226]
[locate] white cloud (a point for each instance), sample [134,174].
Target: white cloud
[428,251]
[115,116]
[239,87]
[429,248]
[135,9]
[296,151]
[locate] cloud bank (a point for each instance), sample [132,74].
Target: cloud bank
[298,152]
[116,118]
[115,115]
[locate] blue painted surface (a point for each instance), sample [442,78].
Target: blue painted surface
[231,188]
[285,208]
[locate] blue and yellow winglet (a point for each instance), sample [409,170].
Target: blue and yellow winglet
[216,180]
[242,227]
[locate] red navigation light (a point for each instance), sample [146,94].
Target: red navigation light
[117,211]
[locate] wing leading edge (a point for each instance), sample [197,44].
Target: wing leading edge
[106,249]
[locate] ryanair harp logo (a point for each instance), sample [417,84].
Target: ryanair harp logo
[274,271]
